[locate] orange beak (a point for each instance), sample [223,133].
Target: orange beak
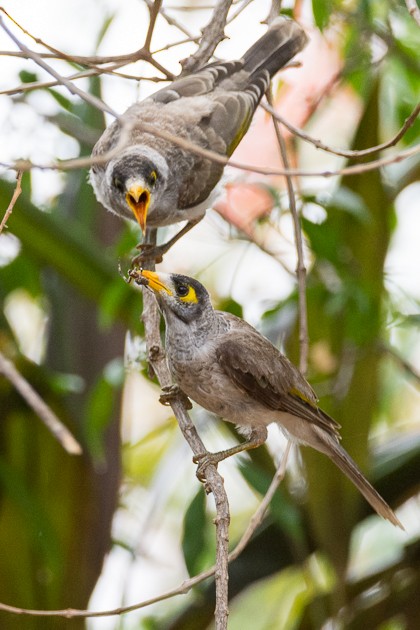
[138,198]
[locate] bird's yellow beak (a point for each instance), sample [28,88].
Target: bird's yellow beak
[138,199]
[154,282]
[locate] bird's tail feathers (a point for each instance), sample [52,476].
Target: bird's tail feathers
[283,40]
[345,463]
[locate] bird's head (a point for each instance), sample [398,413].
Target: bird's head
[136,180]
[179,297]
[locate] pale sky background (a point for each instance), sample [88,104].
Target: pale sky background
[72,26]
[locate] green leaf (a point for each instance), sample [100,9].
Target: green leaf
[98,415]
[28,77]
[62,100]
[231,306]
[142,459]
[194,535]
[322,12]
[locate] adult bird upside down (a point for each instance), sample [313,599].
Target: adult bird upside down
[229,368]
[159,183]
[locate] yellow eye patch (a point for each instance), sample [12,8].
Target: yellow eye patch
[191,296]
[152,177]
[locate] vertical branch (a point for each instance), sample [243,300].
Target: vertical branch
[214,481]
[213,34]
[153,12]
[16,193]
[300,269]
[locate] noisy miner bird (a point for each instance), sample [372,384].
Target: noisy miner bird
[230,369]
[160,183]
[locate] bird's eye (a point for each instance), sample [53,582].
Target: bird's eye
[182,290]
[118,183]
[152,178]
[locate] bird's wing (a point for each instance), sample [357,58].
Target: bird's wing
[258,368]
[199,83]
[231,101]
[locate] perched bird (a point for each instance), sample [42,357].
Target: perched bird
[230,369]
[156,181]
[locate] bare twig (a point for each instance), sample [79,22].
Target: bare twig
[75,163]
[89,98]
[171,20]
[36,85]
[239,11]
[187,40]
[92,61]
[343,152]
[259,514]
[48,417]
[213,34]
[153,13]
[300,268]
[187,585]
[16,193]
[413,10]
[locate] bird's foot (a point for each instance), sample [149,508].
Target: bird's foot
[173,392]
[148,253]
[204,460]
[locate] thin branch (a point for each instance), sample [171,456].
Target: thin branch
[413,10]
[257,517]
[214,481]
[91,72]
[213,34]
[343,152]
[187,40]
[187,585]
[172,21]
[399,360]
[76,163]
[89,98]
[92,61]
[255,237]
[153,13]
[300,269]
[39,406]
[16,193]
[239,11]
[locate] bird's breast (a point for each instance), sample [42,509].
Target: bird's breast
[206,383]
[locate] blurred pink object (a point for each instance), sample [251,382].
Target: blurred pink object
[299,92]
[243,202]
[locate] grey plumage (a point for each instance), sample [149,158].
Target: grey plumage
[227,367]
[152,178]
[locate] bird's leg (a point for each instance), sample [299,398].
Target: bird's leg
[157,252]
[257,437]
[172,392]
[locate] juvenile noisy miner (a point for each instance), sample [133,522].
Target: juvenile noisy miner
[157,182]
